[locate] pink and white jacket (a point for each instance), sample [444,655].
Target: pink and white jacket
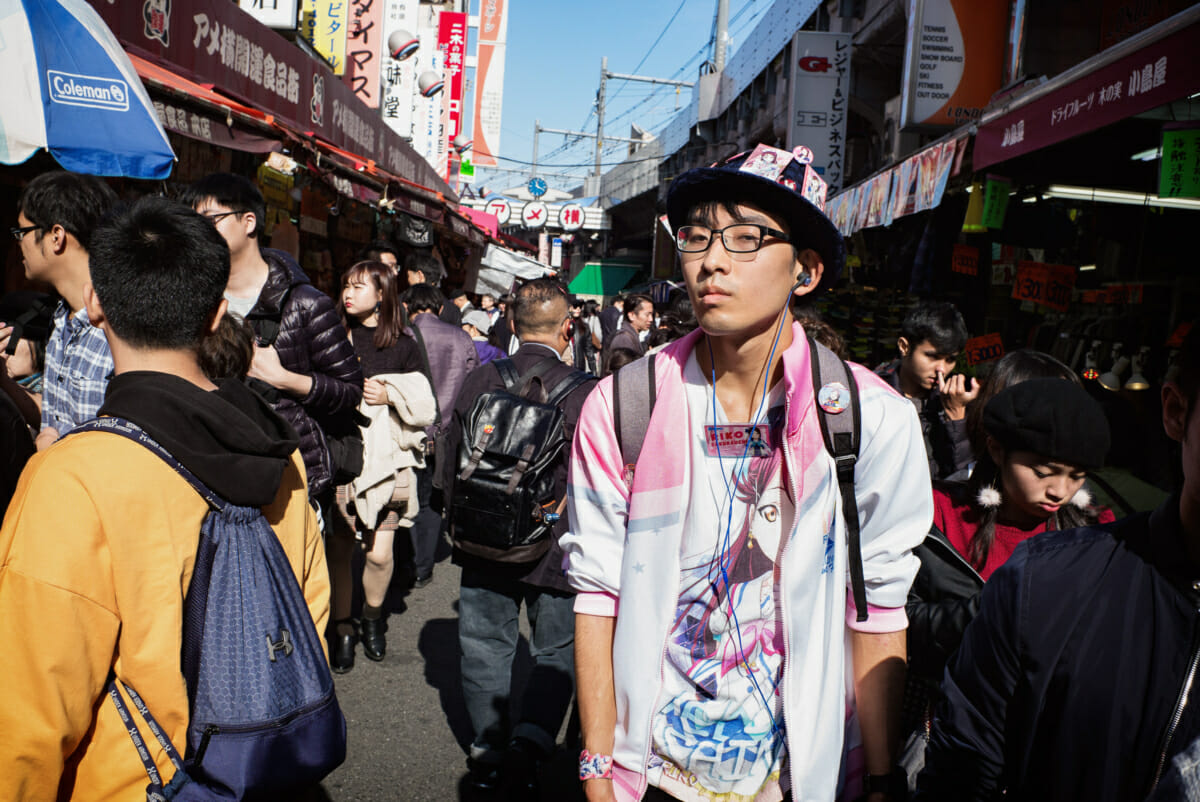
[622,556]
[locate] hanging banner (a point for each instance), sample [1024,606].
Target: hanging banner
[934,171]
[324,24]
[362,50]
[452,41]
[398,78]
[1180,173]
[1048,285]
[820,81]
[953,60]
[489,80]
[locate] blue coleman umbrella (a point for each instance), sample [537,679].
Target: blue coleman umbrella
[68,87]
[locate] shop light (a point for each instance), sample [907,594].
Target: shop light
[1085,268]
[1111,380]
[1153,154]
[1138,380]
[1118,196]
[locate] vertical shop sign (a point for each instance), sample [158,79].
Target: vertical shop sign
[953,60]
[1180,173]
[452,41]
[363,51]
[281,15]
[995,201]
[820,81]
[397,79]
[323,24]
[965,260]
[428,117]
[489,80]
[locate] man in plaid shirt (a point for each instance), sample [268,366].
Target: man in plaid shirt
[57,213]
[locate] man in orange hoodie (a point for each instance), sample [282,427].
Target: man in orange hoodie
[97,548]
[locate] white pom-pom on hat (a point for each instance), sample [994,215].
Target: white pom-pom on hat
[1082,498]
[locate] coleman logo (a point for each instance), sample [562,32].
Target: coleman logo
[88,90]
[815,64]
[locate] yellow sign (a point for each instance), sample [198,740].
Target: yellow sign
[324,24]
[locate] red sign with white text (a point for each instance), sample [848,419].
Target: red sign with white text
[452,41]
[1048,285]
[987,348]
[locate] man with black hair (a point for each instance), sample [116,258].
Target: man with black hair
[449,356]
[720,652]
[422,268]
[492,592]
[931,338]
[98,546]
[460,304]
[382,252]
[303,353]
[57,213]
[1074,681]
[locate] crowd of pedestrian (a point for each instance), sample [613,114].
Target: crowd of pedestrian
[758,571]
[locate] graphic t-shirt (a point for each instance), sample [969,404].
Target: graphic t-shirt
[718,732]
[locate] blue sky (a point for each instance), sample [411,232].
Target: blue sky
[552,72]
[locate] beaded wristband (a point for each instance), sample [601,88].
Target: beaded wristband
[594,767]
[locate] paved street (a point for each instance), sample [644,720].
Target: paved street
[408,728]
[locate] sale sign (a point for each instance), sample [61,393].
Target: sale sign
[965,260]
[987,348]
[1048,285]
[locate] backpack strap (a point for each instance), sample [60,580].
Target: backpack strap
[181,777]
[132,431]
[635,392]
[842,434]
[267,328]
[567,386]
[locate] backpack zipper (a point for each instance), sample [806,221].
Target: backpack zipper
[213,729]
[1180,705]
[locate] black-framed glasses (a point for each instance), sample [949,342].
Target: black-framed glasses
[219,216]
[740,239]
[20,232]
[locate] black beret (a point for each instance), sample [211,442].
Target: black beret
[1053,418]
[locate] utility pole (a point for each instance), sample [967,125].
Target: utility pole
[537,126]
[600,116]
[722,35]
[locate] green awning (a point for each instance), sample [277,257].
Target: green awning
[603,278]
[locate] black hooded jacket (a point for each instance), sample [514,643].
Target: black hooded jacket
[230,438]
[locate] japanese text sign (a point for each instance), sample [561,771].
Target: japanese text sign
[363,51]
[489,80]
[820,99]
[323,24]
[1180,175]
[452,41]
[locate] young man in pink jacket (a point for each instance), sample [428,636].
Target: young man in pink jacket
[718,651]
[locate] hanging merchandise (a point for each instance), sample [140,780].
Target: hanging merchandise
[973,222]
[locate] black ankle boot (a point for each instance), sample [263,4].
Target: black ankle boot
[341,652]
[373,640]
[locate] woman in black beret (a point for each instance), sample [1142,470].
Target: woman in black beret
[1042,437]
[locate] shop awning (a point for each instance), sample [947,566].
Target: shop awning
[603,278]
[1154,67]
[500,268]
[189,109]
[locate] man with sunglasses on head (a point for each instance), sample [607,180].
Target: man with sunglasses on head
[303,354]
[56,214]
[719,650]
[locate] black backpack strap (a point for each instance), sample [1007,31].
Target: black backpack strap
[565,387]
[635,392]
[842,434]
[132,431]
